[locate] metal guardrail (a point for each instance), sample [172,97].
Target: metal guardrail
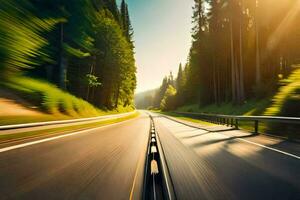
[233,120]
[36,124]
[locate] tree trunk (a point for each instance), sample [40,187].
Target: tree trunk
[242,90]
[117,96]
[233,93]
[215,80]
[219,92]
[62,64]
[89,87]
[237,79]
[258,75]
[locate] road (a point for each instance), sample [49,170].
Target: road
[228,164]
[108,163]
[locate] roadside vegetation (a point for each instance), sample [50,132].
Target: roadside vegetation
[238,60]
[285,102]
[242,61]
[50,102]
[181,117]
[67,59]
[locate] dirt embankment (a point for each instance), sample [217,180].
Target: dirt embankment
[13,105]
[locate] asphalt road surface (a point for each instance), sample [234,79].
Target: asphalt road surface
[228,164]
[108,163]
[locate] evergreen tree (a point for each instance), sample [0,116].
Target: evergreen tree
[126,24]
[79,45]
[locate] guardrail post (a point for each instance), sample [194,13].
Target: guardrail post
[237,124]
[256,126]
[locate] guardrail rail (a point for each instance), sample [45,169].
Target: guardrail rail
[233,120]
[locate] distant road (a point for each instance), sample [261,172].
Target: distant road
[104,163]
[108,163]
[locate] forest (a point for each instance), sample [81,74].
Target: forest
[83,47]
[241,50]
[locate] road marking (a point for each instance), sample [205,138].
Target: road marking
[56,137]
[154,167]
[153,149]
[135,175]
[164,166]
[270,148]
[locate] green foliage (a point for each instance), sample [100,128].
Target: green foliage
[251,107]
[168,101]
[117,74]
[144,100]
[239,53]
[63,40]
[286,101]
[92,80]
[20,35]
[49,98]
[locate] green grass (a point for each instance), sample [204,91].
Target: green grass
[251,107]
[49,98]
[46,132]
[178,116]
[54,103]
[8,120]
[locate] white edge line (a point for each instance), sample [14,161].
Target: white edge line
[164,170]
[56,137]
[270,148]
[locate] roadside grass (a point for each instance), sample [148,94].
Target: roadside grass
[48,98]
[251,107]
[54,103]
[287,100]
[62,130]
[178,116]
[8,120]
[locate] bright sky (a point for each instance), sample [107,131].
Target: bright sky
[162,38]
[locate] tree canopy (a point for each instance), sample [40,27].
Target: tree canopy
[82,46]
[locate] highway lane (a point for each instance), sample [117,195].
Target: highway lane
[227,164]
[107,163]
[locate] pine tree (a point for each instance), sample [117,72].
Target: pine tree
[126,23]
[111,5]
